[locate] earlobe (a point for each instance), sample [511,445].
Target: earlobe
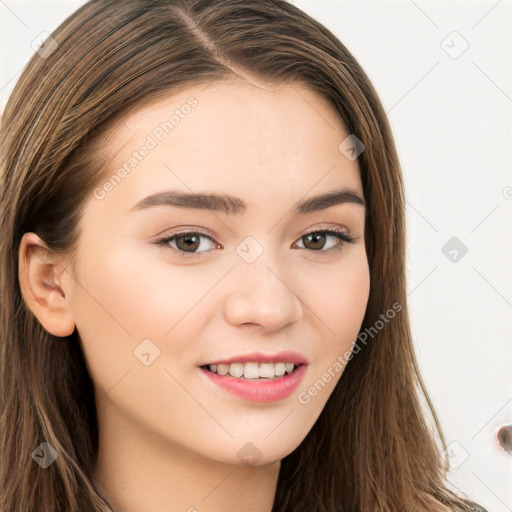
[43,286]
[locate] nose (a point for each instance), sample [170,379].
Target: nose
[262,297]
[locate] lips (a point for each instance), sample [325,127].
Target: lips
[268,388]
[257,390]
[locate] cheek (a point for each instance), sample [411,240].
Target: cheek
[133,295]
[136,292]
[339,299]
[338,308]
[114,309]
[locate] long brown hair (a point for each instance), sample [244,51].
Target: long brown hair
[373,448]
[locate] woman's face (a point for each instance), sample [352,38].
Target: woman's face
[244,284]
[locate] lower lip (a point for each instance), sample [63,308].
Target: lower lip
[259,391]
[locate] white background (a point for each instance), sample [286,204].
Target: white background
[450,111]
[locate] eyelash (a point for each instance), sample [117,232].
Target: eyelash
[341,235]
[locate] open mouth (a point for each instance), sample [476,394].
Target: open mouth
[256,382]
[253,371]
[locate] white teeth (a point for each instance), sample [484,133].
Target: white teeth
[266,370]
[253,370]
[236,369]
[280,369]
[222,369]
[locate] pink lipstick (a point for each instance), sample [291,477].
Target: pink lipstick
[258,377]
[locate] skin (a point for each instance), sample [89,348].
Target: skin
[168,437]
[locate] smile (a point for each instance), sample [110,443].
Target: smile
[257,385]
[252,370]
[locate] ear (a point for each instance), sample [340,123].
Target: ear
[43,283]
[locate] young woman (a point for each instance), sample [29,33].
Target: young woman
[202,273]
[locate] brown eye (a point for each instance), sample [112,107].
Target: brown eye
[187,242]
[317,240]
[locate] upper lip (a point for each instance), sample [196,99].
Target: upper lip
[259,357]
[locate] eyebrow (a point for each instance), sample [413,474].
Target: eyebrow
[236,206]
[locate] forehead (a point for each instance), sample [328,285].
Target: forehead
[223,117]
[233,136]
